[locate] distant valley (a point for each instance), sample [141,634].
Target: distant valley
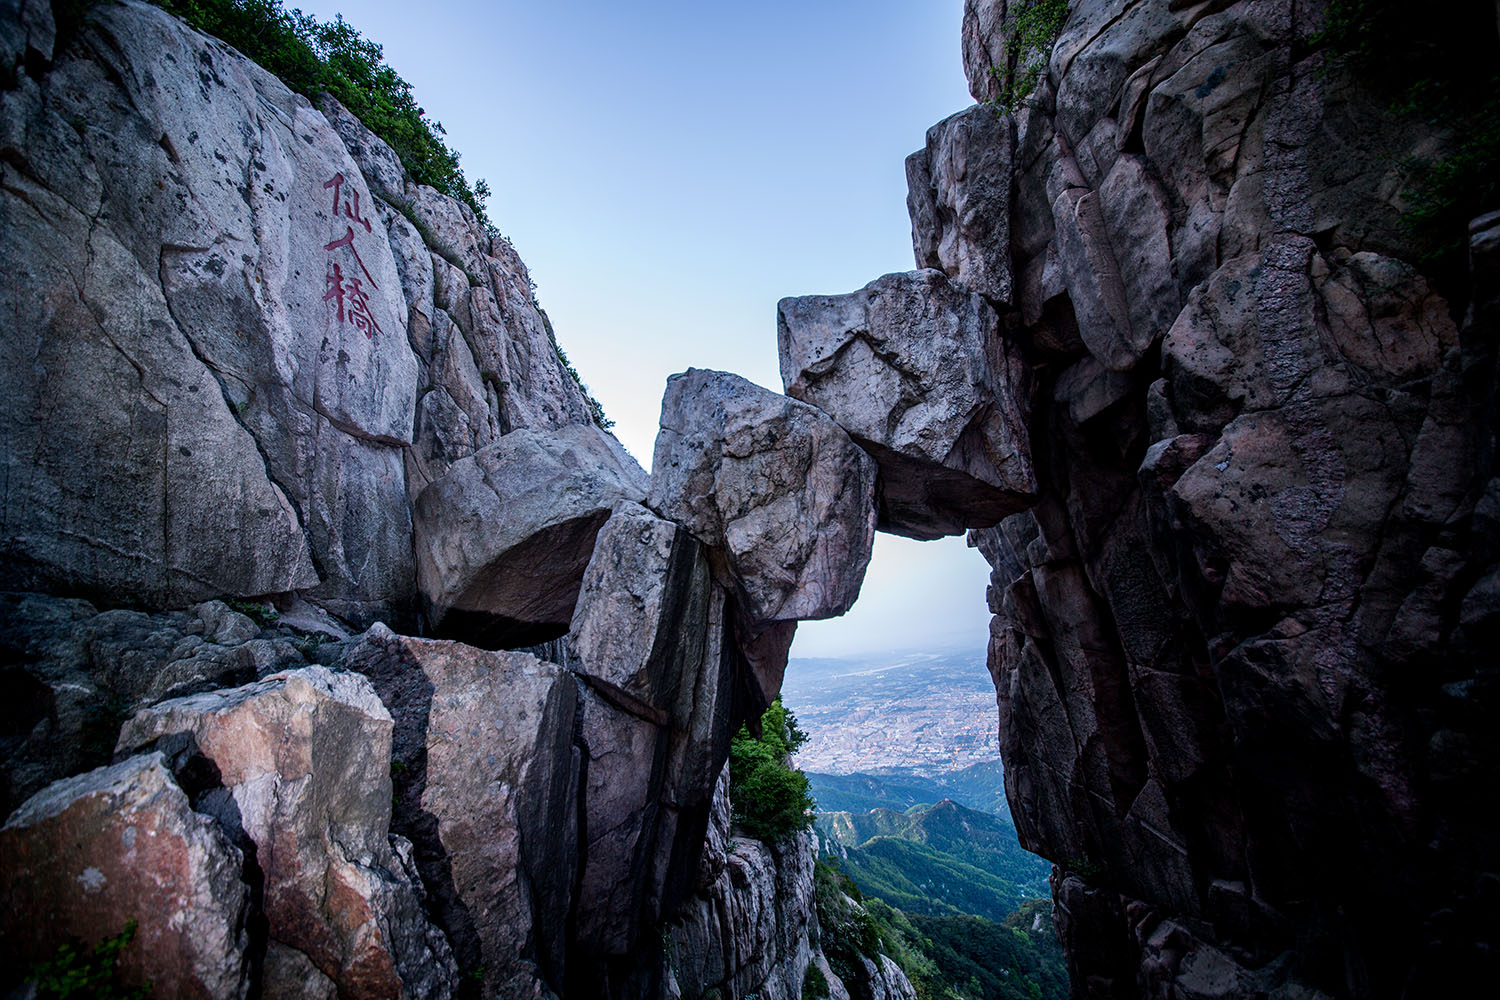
[903,762]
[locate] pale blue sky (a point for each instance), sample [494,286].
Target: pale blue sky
[669,170]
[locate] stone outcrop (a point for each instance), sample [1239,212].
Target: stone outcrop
[774,486]
[220,320]
[72,673]
[92,854]
[915,368]
[1167,330]
[1263,449]
[503,537]
[302,761]
[749,926]
[655,646]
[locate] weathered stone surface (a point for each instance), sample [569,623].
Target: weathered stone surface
[27,32]
[503,538]
[916,370]
[774,485]
[655,641]
[486,789]
[71,674]
[748,933]
[171,333]
[304,762]
[1240,593]
[958,196]
[88,855]
[222,318]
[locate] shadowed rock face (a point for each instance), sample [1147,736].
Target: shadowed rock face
[1239,639]
[486,793]
[915,369]
[772,484]
[656,653]
[92,853]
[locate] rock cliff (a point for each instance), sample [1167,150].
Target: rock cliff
[272,413]
[346,656]
[1240,636]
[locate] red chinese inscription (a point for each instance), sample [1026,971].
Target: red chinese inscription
[347,240]
[352,301]
[351,200]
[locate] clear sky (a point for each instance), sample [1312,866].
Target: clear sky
[669,170]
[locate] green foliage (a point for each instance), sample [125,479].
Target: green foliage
[998,961]
[313,58]
[1034,26]
[937,859]
[944,895]
[921,879]
[848,930]
[814,984]
[769,797]
[260,614]
[1443,71]
[88,974]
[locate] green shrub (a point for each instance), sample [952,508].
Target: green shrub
[313,58]
[769,797]
[1033,28]
[814,984]
[88,974]
[1439,68]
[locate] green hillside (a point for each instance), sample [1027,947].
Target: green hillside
[979,786]
[1016,959]
[942,858]
[918,879]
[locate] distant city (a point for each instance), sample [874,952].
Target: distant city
[921,713]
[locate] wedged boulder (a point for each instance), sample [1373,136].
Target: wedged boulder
[656,650]
[774,486]
[916,370]
[502,539]
[958,196]
[303,765]
[86,856]
[485,778]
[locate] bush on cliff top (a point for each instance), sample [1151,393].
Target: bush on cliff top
[1441,67]
[313,58]
[769,797]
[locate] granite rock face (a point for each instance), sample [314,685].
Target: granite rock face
[87,856]
[485,790]
[1234,670]
[771,483]
[503,537]
[959,190]
[219,320]
[748,927]
[914,367]
[303,762]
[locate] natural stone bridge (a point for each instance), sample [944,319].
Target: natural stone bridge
[1228,450]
